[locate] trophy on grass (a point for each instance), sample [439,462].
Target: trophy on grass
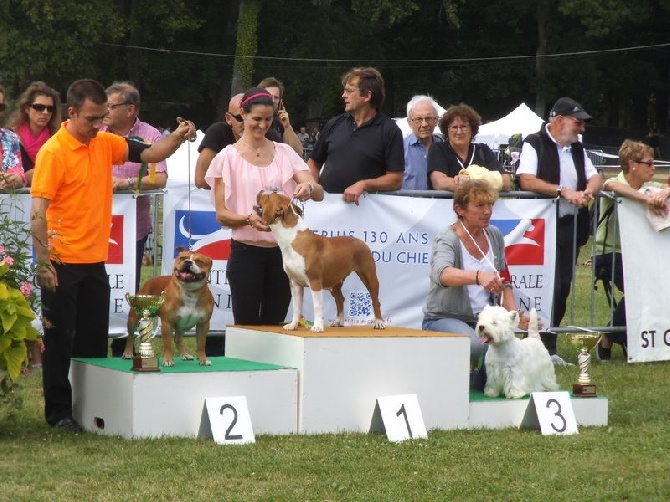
[585,342]
[147,307]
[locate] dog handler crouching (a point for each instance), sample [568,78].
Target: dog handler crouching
[468,268]
[259,287]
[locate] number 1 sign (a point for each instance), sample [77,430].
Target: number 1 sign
[402,417]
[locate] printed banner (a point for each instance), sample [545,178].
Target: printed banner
[646,280]
[120,263]
[399,231]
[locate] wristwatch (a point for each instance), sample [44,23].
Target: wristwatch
[131,183]
[559,191]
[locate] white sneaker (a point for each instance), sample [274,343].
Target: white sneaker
[559,361]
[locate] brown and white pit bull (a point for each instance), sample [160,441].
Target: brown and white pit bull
[317,262]
[188,303]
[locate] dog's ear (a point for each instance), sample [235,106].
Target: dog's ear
[296,209]
[180,249]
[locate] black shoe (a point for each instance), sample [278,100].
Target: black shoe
[602,353]
[68,425]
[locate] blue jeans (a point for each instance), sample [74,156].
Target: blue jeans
[456,326]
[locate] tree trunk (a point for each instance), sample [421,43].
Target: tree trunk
[247,45]
[543,12]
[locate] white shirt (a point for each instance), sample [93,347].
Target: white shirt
[568,177]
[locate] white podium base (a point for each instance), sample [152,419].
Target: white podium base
[500,413]
[121,402]
[342,372]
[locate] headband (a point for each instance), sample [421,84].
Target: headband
[257,95]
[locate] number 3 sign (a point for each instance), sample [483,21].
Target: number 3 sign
[554,412]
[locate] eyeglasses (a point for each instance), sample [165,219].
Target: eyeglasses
[2,107]
[459,128]
[236,117]
[116,105]
[649,163]
[419,120]
[39,107]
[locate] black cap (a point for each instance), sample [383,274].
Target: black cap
[568,107]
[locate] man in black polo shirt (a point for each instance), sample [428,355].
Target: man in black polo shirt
[362,149]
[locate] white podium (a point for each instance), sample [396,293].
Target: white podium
[342,372]
[109,398]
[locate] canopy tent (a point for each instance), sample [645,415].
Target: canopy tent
[521,120]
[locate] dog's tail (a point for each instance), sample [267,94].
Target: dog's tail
[533,325]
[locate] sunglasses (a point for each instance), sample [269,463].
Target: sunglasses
[236,117]
[2,107]
[38,107]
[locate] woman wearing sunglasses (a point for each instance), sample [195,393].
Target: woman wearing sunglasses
[37,117]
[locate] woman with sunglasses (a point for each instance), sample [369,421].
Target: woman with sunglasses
[459,125]
[35,120]
[11,172]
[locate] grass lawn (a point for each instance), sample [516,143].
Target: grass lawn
[627,460]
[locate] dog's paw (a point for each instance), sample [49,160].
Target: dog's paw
[336,323]
[168,362]
[204,362]
[127,355]
[316,329]
[491,393]
[291,326]
[379,324]
[186,357]
[515,394]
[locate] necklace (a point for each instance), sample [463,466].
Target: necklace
[256,149]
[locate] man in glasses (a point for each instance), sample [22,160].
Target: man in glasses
[422,114]
[123,102]
[217,137]
[554,162]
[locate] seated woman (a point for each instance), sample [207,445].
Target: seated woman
[446,160]
[468,268]
[637,164]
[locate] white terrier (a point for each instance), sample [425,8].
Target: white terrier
[514,367]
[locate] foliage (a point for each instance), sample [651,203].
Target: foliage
[17,296]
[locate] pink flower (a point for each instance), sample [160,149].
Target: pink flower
[9,261]
[25,288]
[2,249]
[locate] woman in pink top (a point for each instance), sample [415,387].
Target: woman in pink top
[259,287]
[35,120]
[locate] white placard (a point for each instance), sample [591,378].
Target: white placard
[229,420]
[554,413]
[402,417]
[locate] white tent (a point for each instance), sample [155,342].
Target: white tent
[521,120]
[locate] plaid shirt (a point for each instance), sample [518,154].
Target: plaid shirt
[131,169]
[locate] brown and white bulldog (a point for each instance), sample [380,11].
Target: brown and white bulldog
[317,262]
[188,303]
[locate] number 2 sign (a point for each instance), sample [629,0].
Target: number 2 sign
[229,419]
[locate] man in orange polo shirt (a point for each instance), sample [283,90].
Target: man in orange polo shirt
[71,222]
